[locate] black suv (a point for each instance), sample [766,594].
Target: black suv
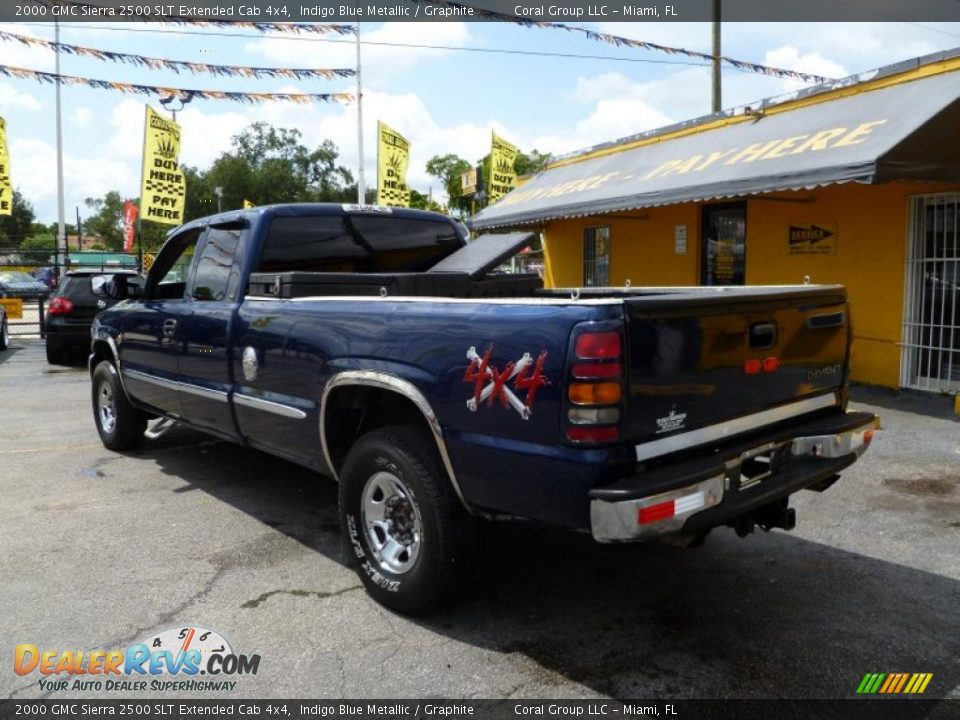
[71,312]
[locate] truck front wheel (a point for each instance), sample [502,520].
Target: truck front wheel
[404,528]
[119,423]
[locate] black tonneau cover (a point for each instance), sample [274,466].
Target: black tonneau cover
[482,255]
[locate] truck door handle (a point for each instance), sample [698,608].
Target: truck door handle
[169,327]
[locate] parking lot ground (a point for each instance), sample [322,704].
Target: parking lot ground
[100,550]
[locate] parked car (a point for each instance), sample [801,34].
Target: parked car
[372,345]
[46,275]
[71,311]
[4,330]
[17,284]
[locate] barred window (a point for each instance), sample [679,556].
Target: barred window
[596,257]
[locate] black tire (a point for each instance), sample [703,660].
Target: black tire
[125,432]
[4,335]
[54,352]
[407,455]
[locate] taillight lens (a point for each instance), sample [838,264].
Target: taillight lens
[598,345]
[593,416]
[604,393]
[593,434]
[60,306]
[597,370]
[595,388]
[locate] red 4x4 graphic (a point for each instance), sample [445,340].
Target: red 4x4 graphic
[490,384]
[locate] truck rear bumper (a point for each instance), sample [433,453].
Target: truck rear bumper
[696,495]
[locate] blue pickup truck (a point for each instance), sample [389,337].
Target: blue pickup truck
[383,349]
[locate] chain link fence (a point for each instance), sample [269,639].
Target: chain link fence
[29,278]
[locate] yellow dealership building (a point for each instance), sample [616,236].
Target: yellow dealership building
[856,182]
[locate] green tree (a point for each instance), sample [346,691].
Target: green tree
[39,243]
[106,219]
[272,165]
[448,169]
[423,202]
[530,163]
[16,227]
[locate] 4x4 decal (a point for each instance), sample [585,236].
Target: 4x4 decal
[491,384]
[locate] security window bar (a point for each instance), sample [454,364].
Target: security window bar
[596,257]
[930,358]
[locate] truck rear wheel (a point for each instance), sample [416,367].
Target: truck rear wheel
[119,423]
[404,528]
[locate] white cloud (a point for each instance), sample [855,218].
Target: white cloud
[388,51]
[34,170]
[18,54]
[789,57]
[81,116]
[11,98]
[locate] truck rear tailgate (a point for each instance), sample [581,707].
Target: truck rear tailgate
[726,357]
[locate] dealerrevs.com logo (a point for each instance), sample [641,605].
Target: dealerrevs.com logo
[186,659]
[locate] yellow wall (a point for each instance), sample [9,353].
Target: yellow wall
[871,224]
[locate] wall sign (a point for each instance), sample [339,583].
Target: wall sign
[812,239]
[680,240]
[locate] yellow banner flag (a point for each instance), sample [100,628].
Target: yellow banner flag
[393,157]
[6,187]
[163,188]
[502,175]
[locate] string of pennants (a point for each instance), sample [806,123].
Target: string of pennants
[616,40]
[155,63]
[264,27]
[619,41]
[182,93]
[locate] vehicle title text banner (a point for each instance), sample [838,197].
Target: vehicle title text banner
[563,11]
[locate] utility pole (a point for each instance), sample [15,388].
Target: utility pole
[716,95]
[61,225]
[361,185]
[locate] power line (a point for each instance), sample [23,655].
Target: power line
[887,16]
[453,48]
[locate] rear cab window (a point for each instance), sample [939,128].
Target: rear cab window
[357,244]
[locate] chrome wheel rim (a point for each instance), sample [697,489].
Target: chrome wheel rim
[106,408]
[391,522]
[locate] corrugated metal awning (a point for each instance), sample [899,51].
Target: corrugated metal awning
[906,131]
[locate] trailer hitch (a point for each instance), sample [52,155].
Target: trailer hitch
[774,515]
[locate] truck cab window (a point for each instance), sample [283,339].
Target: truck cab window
[215,267]
[167,278]
[356,244]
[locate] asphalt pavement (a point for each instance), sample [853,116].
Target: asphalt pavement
[100,550]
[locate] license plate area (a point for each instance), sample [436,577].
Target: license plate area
[756,465]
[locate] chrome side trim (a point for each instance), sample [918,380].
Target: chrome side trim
[269,406]
[397,385]
[721,431]
[437,299]
[218,395]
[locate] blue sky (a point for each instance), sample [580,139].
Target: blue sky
[443,100]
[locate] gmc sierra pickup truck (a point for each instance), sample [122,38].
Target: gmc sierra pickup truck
[380,348]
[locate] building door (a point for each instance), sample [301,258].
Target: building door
[723,244]
[931,320]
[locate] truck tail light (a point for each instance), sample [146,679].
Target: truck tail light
[60,306]
[604,393]
[598,345]
[595,387]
